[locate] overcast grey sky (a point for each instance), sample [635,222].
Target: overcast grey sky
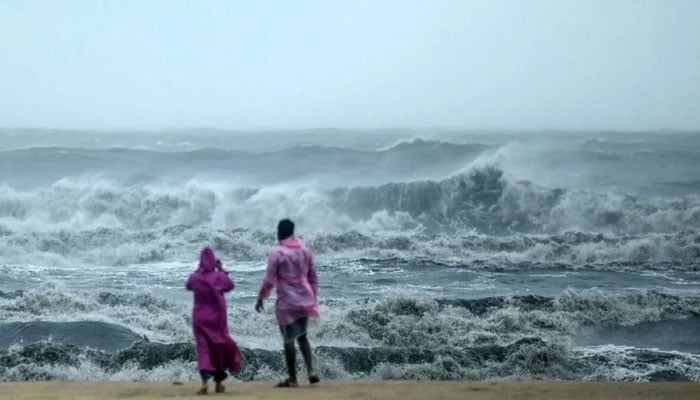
[580,64]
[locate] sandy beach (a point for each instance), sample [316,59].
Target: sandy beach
[390,390]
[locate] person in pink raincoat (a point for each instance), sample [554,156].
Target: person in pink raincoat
[291,269]
[216,351]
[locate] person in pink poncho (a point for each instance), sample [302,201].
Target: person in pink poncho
[290,268]
[216,351]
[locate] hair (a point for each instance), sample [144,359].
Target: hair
[285,229]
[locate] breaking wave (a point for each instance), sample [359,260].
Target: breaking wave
[96,240]
[522,337]
[482,200]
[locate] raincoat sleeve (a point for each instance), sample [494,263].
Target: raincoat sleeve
[311,276]
[190,283]
[223,282]
[270,279]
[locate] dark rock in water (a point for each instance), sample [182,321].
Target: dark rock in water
[92,334]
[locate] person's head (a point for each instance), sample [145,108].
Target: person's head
[207,260]
[285,229]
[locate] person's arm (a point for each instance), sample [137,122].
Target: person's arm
[312,277]
[224,282]
[269,281]
[190,283]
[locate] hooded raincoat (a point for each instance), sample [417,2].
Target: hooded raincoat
[216,350]
[291,269]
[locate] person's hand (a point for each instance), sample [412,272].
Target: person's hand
[218,265]
[259,305]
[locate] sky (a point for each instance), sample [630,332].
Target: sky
[246,65]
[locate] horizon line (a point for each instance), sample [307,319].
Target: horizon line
[195,129]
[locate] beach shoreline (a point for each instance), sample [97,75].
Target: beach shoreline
[390,390]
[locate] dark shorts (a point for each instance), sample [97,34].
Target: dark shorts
[294,330]
[217,375]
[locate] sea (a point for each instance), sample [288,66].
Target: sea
[441,254]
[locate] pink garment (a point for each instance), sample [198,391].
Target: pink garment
[290,268]
[216,350]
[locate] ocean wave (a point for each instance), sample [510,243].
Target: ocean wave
[481,200]
[419,159]
[678,251]
[393,321]
[525,359]
[583,160]
[458,323]
[397,337]
[54,304]
[91,334]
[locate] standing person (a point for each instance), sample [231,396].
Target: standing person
[290,268]
[216,351]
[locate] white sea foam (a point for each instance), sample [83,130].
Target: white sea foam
[425,247]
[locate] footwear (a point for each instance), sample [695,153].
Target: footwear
[287,383]
[202,391]
[220,388]
[313,378]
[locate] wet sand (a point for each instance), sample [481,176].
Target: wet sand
[389,390]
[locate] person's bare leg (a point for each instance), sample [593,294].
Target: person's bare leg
[205,387]
[290,357]
[219,388]
[305,348]
[219,377]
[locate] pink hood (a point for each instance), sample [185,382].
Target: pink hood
[207,260]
